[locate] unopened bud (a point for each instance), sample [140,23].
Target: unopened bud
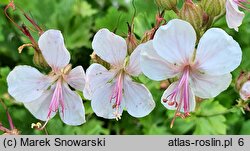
[131,39]
[243,77]
[245,91]
[39,60]
[131,42]
[193,14]
[167,4]
[213,7]
[97,59]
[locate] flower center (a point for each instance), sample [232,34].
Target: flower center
[243,4]
[117,95]
[57,99]
[179,97]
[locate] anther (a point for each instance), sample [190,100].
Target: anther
[171,103]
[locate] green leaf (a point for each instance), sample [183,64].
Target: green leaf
[84,9]
[142,24]
[114,20]
[3,75]
[245,129]
[4,2]
[208,118]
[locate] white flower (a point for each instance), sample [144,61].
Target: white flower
[43,95]
[113,90]
[245,91]
[234,16]
[204,72]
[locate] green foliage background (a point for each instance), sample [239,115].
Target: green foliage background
[79,20]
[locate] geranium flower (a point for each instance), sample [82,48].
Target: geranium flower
[234,16]
[245,91]
[204,72]
[113,90]
[43,95]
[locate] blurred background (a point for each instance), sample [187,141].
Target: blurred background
[79,20]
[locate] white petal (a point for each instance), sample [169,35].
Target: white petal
[134,67]
[154,66]
[217,53]
[169,90]
[245,91]
[138,100]
[96,77]
[74,113]
[209,86]
[76,78]
[110,47]
[40,107]
[102,104]
[53,49]
[234,16]
[26,83]
[175,41]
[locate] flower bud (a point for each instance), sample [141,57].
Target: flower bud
[97,59]
[39,60]
[147,36]
[245,91]
[243,77]
[193,14]
[213,7]
[167,4]
[131,40]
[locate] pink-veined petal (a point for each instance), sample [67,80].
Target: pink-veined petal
[175,42]
[245,91]
[217,53]
[26,83]
[39,108]
[96,77]
[102,102]
[76,78]
[169,90]
[154,66]
[134,67]
[138,100]
[209,86]
[73,112]
[234,16]
[110,47]
[53,49]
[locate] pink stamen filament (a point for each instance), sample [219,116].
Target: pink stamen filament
[57,99]
[182,90]
[117,95]
[242,4]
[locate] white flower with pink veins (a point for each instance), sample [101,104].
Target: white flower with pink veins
[113,90]
[202,72]
[44,95]
[234,16]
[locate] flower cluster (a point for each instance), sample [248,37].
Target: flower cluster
[196,58]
